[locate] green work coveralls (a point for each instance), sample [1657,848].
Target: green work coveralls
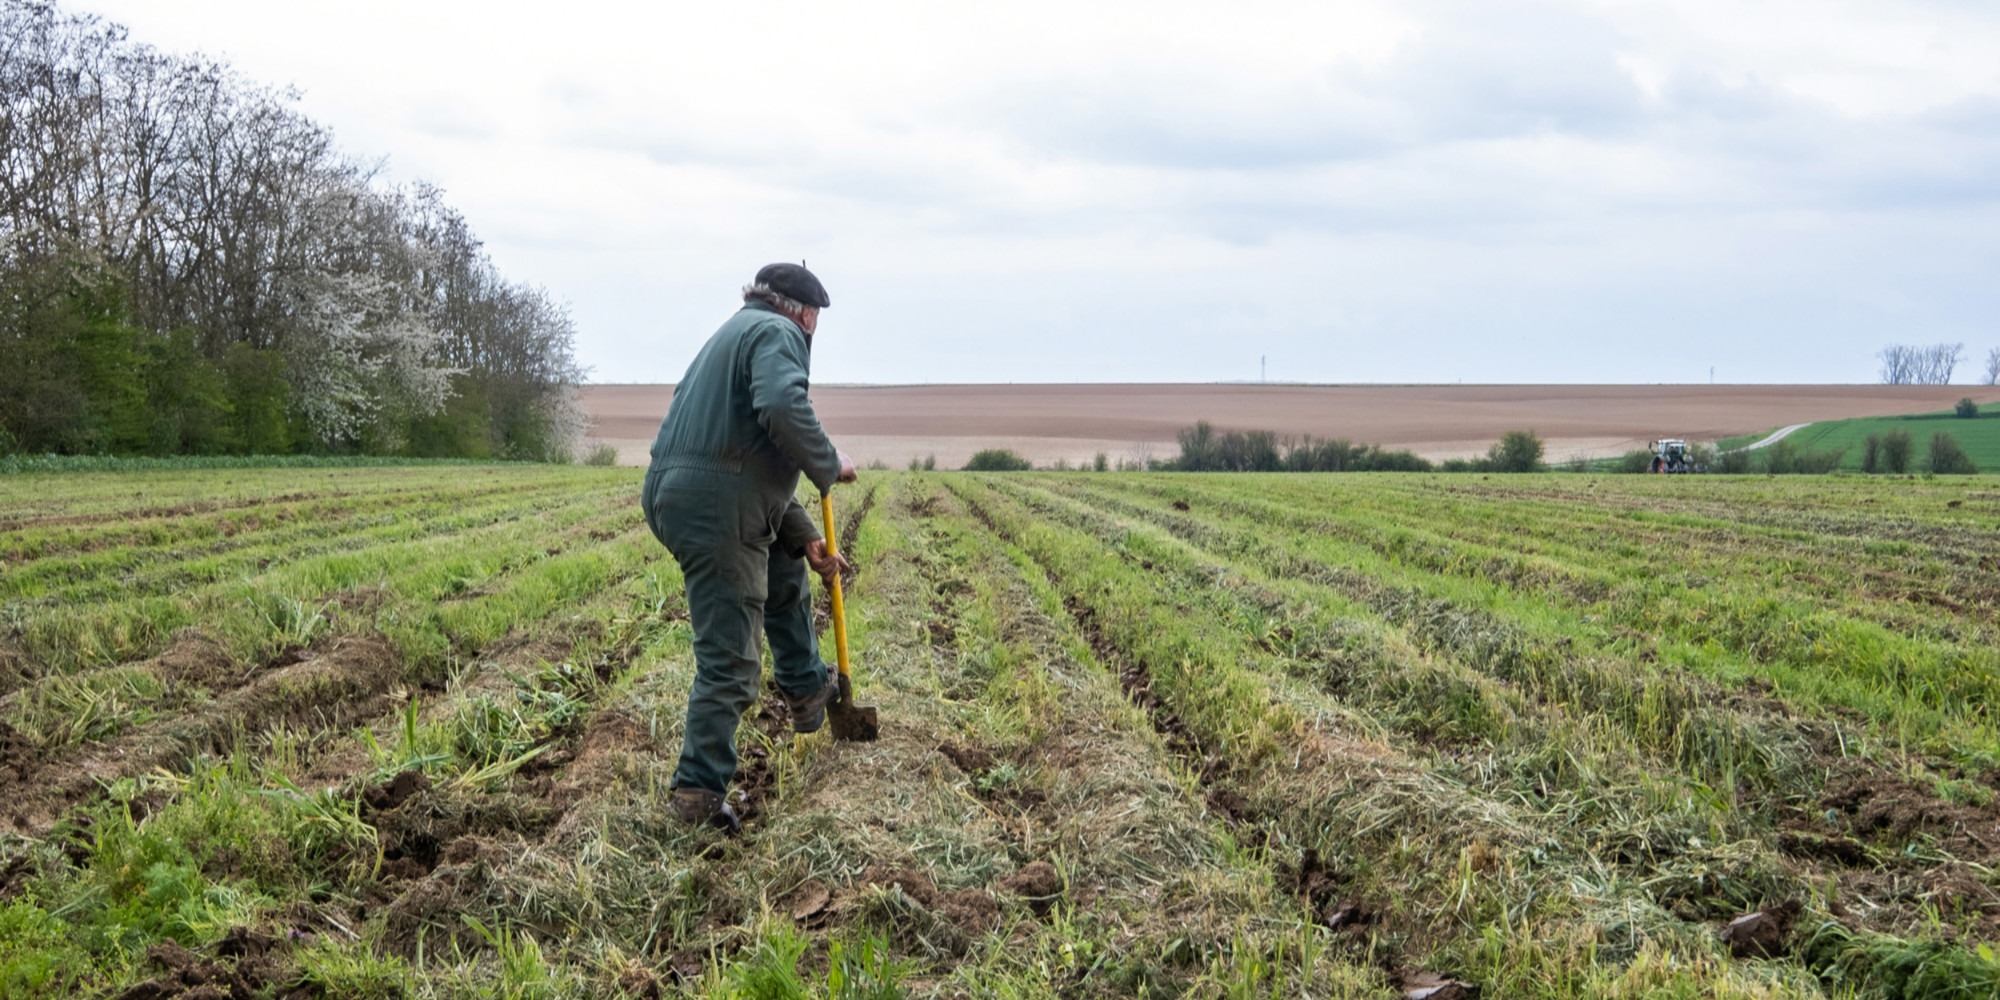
[719,495]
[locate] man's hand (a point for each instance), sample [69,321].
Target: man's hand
[847,473]
[825,565]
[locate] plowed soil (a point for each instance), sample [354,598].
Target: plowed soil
[893,424]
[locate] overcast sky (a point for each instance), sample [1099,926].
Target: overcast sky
[1429,191]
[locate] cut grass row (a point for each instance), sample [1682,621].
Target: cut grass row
[285,604]
[1687,866]
[1511,795]
[1388,825]
[1580,530]
[82,568]
[41,500]
[255,839]
[1919,692]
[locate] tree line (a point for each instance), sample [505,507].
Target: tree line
[189,265]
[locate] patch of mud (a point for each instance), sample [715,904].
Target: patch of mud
[429,915]
[246,965]
[972,760]
[1881,807]
[19,759]
[393,793]
[755,781]
[961,914]
[1313,881]
[418,823]
[442,855]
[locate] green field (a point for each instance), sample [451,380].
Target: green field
[1980,436]
[384,732]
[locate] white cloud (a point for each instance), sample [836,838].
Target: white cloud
[1579,190]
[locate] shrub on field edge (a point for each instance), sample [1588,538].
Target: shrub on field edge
[1783,458]
[1966,408]
[1871,453]
[602,454]
[1204,449]
[1896,447]
[1947,458]
[1516,451]
[998,460]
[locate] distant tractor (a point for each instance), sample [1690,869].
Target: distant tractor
[1674,455]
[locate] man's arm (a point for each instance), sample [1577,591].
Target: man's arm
[796,530]
[778,383]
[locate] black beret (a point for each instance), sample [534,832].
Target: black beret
[794,282]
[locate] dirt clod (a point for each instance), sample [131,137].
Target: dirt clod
[969,911]
[1347,915]
[393,793]
[971,760]
[1761,933]
[809,901]
[1432,986]
[1038,883]
[245,968]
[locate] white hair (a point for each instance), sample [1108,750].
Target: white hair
[775,299]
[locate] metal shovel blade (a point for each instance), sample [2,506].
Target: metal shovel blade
[850,722]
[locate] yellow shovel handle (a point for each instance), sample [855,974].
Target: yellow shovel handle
[839,612]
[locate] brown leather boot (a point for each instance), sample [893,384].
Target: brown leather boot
[809,712]
[696,806]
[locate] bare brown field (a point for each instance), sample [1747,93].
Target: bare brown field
[1045,422]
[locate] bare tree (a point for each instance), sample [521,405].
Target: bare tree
[1909,364]
[1899,364]
[1992,376]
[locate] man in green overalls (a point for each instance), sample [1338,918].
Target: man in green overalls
[719,495]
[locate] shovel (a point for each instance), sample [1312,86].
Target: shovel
[849,721]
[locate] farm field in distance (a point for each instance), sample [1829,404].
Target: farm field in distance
[1072,422]
[408,731]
